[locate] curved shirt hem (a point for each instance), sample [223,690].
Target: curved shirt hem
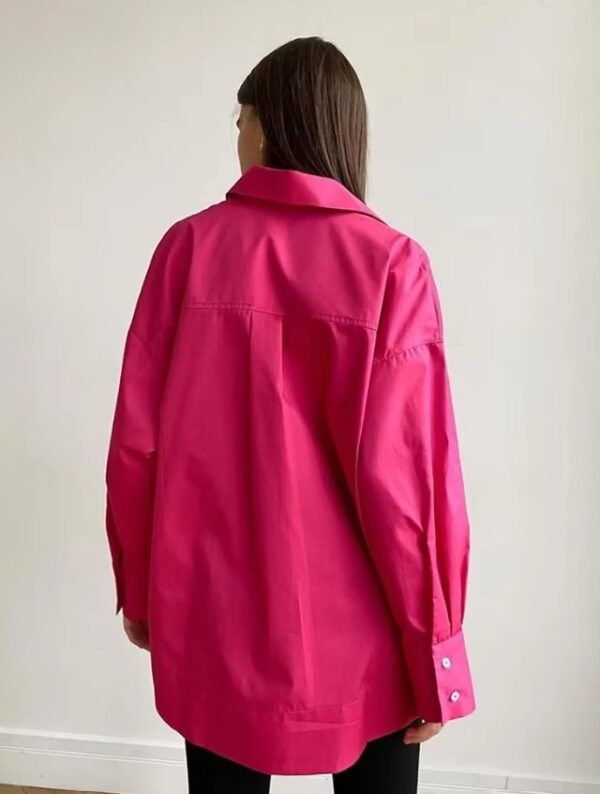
[289,744]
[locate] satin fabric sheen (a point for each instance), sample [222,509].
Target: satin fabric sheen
[285,499]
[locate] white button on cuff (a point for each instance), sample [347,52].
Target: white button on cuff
[446,663]
[455,696]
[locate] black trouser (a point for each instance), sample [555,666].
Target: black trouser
[386,766]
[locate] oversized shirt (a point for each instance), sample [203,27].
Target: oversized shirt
[285,498]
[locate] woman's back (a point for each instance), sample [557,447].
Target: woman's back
[285,502]
[256,340]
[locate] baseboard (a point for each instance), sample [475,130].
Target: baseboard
[122,766]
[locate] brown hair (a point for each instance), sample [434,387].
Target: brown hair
[312,109]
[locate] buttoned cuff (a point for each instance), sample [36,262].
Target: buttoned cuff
[135,589]
[440,677]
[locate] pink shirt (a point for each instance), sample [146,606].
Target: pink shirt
[285,499]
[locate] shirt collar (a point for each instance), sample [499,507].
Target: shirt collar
[284,186]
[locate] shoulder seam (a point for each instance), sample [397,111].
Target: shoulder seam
[142,341]
[394,355]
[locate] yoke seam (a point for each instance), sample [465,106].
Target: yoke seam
[248,307]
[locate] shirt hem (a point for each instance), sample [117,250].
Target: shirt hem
[290,743]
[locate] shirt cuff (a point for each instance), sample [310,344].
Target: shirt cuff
[440,677]
[135,589]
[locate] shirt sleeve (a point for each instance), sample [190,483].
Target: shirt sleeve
[410,490]
[131,464]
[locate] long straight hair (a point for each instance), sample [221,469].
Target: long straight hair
[312,109]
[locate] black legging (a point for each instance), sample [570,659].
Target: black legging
[386,766]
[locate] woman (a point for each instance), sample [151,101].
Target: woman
[285,502]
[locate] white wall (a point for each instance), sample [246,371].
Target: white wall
[116,119]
